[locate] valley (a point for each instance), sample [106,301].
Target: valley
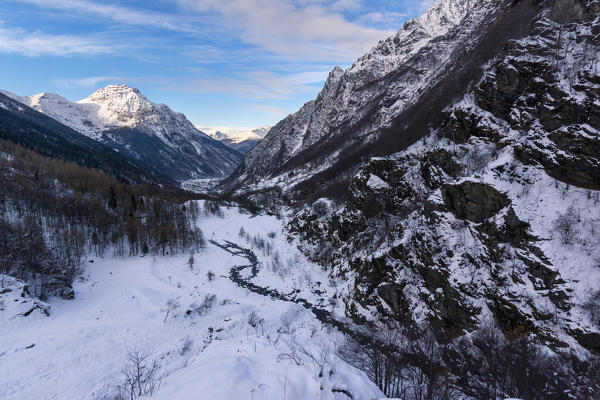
[122,305]
[427,227]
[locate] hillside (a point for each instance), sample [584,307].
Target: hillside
[490,219]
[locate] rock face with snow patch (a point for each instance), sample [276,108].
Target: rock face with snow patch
[158,138]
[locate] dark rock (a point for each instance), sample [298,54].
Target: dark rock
[513,323]
[461,125]
[578,163]
[393,296]
[590,341]
[513,231]
[473,201]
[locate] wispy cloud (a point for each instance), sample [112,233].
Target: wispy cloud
[346,5]
[37,43]
[256,84]
[123,15]
[387,18]
[424,5]
[278,112]
[87,82]
[294,30]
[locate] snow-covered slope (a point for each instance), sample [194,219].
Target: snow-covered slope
[200,331]
[123,118]
[357,106]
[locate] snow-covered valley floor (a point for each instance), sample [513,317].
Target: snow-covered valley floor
[237,345]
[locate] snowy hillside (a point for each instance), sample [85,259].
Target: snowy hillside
[124,119]
[207,336]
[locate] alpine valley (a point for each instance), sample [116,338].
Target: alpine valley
[427,228]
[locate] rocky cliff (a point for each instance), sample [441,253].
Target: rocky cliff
[495,213]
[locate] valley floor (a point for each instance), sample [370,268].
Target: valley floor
[237,345]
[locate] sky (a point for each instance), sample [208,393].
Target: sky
[233,64]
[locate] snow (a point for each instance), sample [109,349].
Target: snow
[236,135]
[424,48]
[121,305]
[376,183]
[115,106]
[243,136]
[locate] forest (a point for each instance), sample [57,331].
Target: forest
[53,213]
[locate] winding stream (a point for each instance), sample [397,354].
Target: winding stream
[235,275]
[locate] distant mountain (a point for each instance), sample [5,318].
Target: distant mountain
[154,135]
[34,130]
[241,141]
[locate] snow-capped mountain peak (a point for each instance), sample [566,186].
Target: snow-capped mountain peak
[240,139]
[118,99]
[358,105]
[437,21]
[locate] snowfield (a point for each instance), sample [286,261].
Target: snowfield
[236,345]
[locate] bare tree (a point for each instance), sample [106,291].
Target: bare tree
[171,305]
[565,225]
[140,377]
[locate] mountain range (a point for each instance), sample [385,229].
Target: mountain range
[153,135]
[384,102]
[241,141]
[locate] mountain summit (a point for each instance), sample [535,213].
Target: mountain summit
[152,134]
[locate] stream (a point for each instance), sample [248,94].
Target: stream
[235,275]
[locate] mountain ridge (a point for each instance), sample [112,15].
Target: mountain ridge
[239,140]
[356,106]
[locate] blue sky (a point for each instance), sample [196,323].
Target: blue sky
[223,63]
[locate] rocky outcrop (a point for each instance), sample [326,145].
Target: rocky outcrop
[473,201]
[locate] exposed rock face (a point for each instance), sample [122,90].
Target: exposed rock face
[546,86]
[473,201]
[468,223]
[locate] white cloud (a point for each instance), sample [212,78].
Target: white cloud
[388,18]
[85,82]
[123,15]
[346,5]
[19,41]
[424,5]
[279,112]
[291,30]
[257,84]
